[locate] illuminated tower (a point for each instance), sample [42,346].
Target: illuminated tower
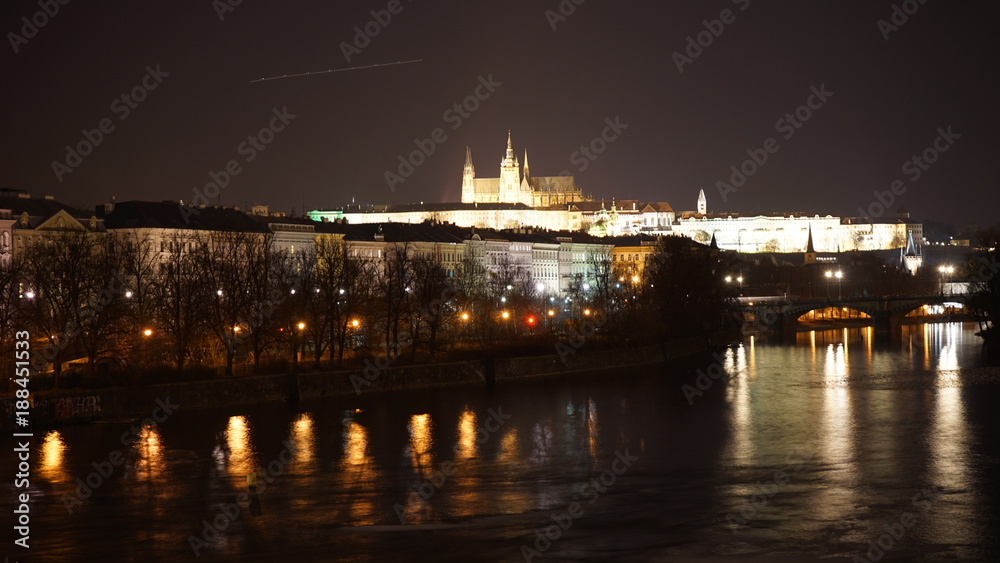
[702,203]
[468,179]
[510,176]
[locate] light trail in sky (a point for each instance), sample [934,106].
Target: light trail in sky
[334,70]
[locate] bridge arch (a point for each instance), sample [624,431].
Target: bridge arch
[833,313]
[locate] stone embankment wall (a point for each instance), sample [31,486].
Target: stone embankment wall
[58,407]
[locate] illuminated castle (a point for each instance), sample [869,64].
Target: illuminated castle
[515,186]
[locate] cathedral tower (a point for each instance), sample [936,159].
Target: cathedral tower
[510,176]
[468,179]
[702,203]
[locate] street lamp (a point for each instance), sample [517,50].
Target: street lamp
[840,276]
[945,271]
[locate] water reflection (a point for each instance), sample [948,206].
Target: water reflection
[150,462]
[241,459]
[836,435]
[421,456]
[742,449]
[304,439]
[949,443]
[51,460]
[593,430]
[357,474]
[466,447]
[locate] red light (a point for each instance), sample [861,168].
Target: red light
[531,320]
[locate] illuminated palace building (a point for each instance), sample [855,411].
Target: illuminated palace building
[517,199]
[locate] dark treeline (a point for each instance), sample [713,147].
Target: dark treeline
[125,309]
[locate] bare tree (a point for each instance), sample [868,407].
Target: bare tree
[432,302]
[139,264]
[393,283]
[76,286]
[223,259]
[10,301]
[181,297]
[343,283]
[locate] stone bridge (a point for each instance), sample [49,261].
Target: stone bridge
[887,313]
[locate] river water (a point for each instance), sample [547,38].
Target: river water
[832,447]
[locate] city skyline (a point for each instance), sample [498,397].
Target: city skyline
[892,90]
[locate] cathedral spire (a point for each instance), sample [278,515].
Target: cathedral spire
[526,174]
[469,168]
[809,244]
[509,160]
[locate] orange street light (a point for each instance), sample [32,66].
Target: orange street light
[147,332]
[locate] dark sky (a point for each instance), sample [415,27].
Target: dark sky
[609,59]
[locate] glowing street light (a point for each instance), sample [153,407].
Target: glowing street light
[945,270]
[355,323]
[29,294]
[464,316]
[505,315]
[739,280]
[148,332]
[302,326]
[128,294]
[830,275]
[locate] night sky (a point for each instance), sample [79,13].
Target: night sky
[557,87]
